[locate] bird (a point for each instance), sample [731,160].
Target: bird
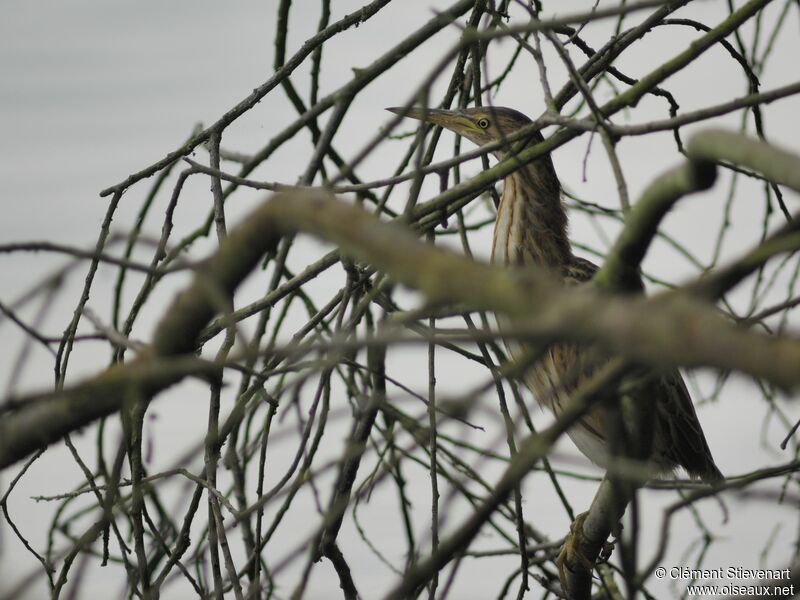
[531,230]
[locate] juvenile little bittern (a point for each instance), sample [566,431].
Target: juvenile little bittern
[531,229]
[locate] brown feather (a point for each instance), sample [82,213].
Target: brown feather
[531,230]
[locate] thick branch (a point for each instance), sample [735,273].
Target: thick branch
[775,164]
[35,422]
[620,271]
[663,331]
[621,267]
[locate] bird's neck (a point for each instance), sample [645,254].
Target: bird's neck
[531,224]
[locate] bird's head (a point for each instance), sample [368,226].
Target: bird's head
[480,125]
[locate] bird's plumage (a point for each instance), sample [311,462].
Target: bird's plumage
[531,230]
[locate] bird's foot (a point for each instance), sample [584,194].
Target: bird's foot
[571,556]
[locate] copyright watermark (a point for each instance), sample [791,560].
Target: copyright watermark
[725,581]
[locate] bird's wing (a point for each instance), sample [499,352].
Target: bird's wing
[679,422]
[578,270]
[676,418]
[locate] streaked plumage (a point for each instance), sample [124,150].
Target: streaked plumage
[531,230]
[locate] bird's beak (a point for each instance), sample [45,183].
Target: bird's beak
[454,120]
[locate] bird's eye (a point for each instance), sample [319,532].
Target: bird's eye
[483,123]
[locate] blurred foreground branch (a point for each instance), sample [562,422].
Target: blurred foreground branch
[663,331]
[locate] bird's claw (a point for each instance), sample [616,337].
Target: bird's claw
[571,554]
